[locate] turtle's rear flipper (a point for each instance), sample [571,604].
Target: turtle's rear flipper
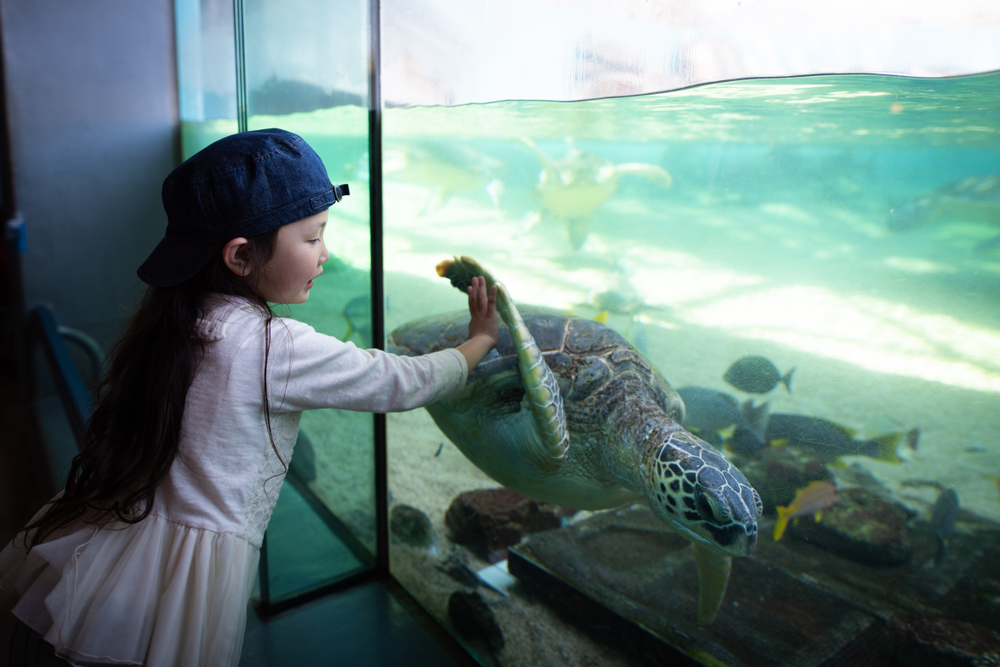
[540,386]
[713,575]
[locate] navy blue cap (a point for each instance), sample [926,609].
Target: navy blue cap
[242,185]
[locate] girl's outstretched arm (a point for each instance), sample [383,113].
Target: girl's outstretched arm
[483,327]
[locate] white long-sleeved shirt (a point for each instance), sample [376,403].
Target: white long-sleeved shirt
[217,481]
[173,588]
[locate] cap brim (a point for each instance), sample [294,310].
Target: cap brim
[175,260]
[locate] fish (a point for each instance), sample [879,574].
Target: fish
[943,518]
[975,198]
[996,480]
[747,439]
[358,314]
[618,302]
[856,475]
[755,417]
[618,296]
[917,483]
[756,375]
[829,439]
[745,442]
[913,438]
[709,410]
[989,245]
[813,499]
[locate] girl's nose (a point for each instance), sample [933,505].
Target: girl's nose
[325,255]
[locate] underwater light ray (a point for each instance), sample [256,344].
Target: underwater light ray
[872,333]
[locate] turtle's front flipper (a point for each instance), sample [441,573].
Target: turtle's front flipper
[713,575]
[657,175]
[540,384]
[546,161]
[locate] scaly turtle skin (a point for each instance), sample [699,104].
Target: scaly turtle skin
[566,411]
[572,186]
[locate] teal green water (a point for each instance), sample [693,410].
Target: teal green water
[856,110]
[746,217]
[844,226]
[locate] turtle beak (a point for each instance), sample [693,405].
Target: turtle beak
[751,543]
[734,539]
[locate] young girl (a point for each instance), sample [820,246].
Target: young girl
[149,555]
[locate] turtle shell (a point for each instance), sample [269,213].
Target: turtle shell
[584,356]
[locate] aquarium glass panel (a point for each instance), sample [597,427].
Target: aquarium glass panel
[206,71]
[812,265]
[302,66]
[306,71]
[456,52]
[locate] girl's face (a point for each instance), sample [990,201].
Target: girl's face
[298,259]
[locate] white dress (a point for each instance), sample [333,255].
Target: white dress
[173,588]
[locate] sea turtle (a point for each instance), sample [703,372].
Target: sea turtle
[572,186]
[446,169]
[564,410]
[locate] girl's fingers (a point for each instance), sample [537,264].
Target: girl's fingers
[481,303]
[477,292]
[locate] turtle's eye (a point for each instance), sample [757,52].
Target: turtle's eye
[711,506]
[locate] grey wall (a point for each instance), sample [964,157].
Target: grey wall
[91,92]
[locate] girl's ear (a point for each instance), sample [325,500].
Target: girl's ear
[234,258]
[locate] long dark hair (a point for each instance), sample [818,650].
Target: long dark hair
[134,433]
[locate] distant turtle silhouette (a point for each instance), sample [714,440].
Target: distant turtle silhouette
[571,187]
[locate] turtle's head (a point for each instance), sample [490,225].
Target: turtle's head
[702,496]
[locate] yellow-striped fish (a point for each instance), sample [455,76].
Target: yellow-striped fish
[811,500]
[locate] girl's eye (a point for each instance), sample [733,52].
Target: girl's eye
[314,241]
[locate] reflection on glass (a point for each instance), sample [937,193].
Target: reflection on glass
[454,52]
[304,55]
[307,74]
[305,71]
[205,72]
[845,227]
